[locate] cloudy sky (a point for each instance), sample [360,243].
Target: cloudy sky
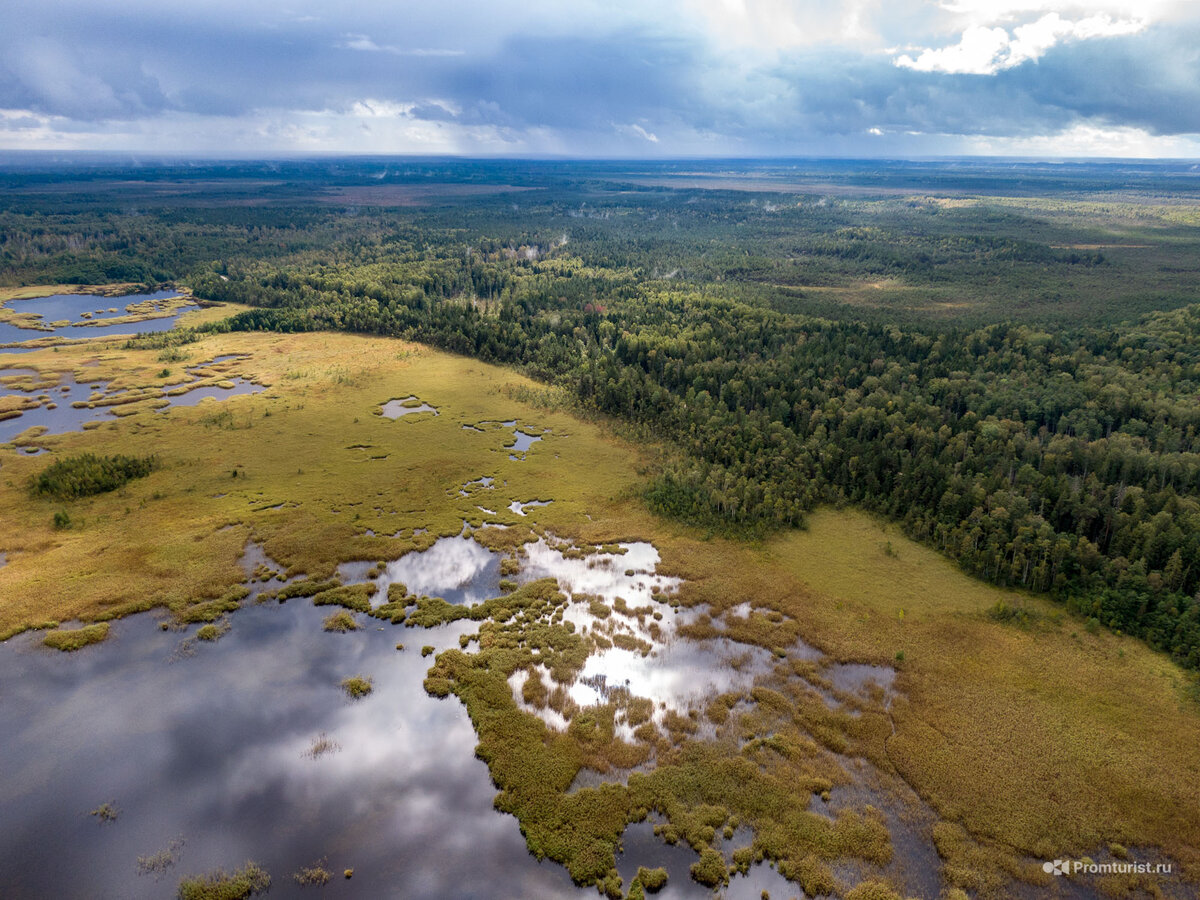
[603,77]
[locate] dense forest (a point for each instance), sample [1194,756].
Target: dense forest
[1012,376]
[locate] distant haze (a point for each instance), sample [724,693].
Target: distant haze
[603,78]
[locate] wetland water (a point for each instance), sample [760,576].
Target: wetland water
[71,307]
[58,414]
[405,406]
[212,748]
[215,748]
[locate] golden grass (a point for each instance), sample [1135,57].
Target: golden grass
[49,290]
[312,441]
[1049,740]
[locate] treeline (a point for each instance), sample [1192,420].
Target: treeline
[1065,463]
[971,262]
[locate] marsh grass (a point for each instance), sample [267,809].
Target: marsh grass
[171,552]
[71,639]
[213,630]
[356,597]
[157,864]
[873,889]
[322,745]
[710,869]
[211,610]
[340,621]
[248,881]
[699,787]
[653,880]
[357,687]
[105,813]
[307,587]
[996,691]
[315,875]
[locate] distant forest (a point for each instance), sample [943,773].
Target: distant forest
[1005,363]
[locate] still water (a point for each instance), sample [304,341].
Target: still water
[211,744]
[71,307]
[247,748]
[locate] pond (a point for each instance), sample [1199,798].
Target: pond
[405,406]
[519,508]
[644,848]
[247,748]
[676,673]
[457,569]
[58,413]
[72,307]
[55,413]
[239,387]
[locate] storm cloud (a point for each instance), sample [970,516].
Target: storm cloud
[692,77]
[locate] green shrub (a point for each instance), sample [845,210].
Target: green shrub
[85,474]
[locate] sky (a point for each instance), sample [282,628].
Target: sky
[603,78]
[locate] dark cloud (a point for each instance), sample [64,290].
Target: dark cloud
[578,82]
[631,83]
[1149,81]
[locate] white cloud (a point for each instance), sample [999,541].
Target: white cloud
[783,24]
[359,42]
[984,51]
[1090,140]
[991,12]
[977,53]
[364,43]
[635,130]
[1032,40]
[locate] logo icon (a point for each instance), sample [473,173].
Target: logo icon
[1058,867]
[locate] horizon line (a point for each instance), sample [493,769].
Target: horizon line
[303,155]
